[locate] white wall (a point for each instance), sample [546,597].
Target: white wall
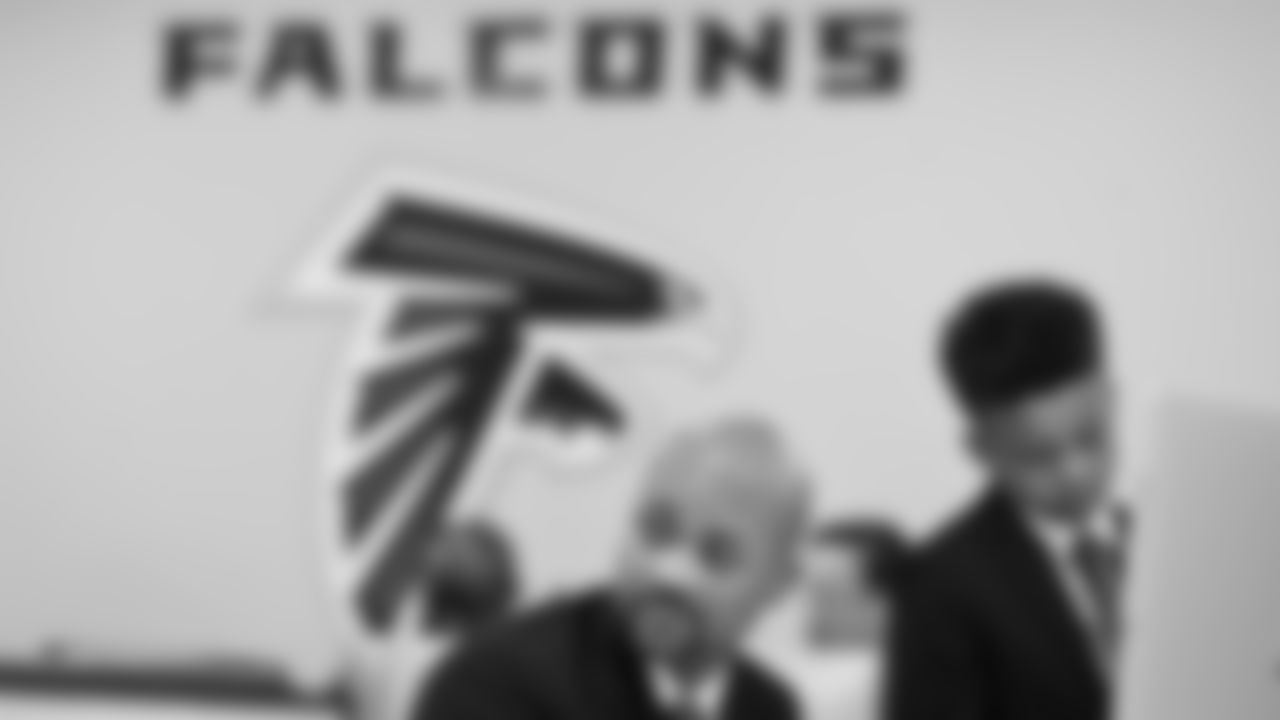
[162,396]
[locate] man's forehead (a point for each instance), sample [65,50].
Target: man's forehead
[713,465]
[712,492]
[1061,409]
[741,466]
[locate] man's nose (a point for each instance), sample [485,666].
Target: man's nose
[1082,468]
[675,569]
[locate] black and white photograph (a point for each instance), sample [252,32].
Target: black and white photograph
[639,360]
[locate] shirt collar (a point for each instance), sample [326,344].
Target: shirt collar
[707,694]
[1105,525]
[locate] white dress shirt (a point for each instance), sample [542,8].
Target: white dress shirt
[1060,540]
[706,697]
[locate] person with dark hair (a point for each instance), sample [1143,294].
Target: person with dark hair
[471,579]
[1011,611]
[852,570]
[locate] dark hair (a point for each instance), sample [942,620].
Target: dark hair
[880,542]
[1019,338]
[472,578]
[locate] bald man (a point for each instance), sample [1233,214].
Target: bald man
[713,544]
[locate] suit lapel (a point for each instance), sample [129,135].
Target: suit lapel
[617,673]
[740,701]
[1030,574]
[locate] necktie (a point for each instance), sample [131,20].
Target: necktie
[685,706]
[684,711]
[1099,565]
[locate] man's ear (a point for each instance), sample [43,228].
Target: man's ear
[789,577]
[790,574]
[977,441]
[778,583]
[983,439]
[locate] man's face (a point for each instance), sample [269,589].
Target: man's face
[703,559]
[844,609]
[1053,452]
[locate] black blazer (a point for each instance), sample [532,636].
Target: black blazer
[983,630]
[572,660]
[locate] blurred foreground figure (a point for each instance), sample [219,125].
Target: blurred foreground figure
[713,544]
[1012,611]
[834,660]
[472,579]
[853,571]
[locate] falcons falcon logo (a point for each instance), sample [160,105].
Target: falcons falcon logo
[455,294]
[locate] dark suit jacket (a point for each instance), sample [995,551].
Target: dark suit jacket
[572,660]
[984,631]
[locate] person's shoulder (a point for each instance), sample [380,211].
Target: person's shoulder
[956,551]
[512,656]
[955,538]
[765,692]
[525,637]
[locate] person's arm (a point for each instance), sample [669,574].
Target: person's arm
[475,686]
[934,669]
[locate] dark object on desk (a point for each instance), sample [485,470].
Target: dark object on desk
[213,683]
[472,578]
